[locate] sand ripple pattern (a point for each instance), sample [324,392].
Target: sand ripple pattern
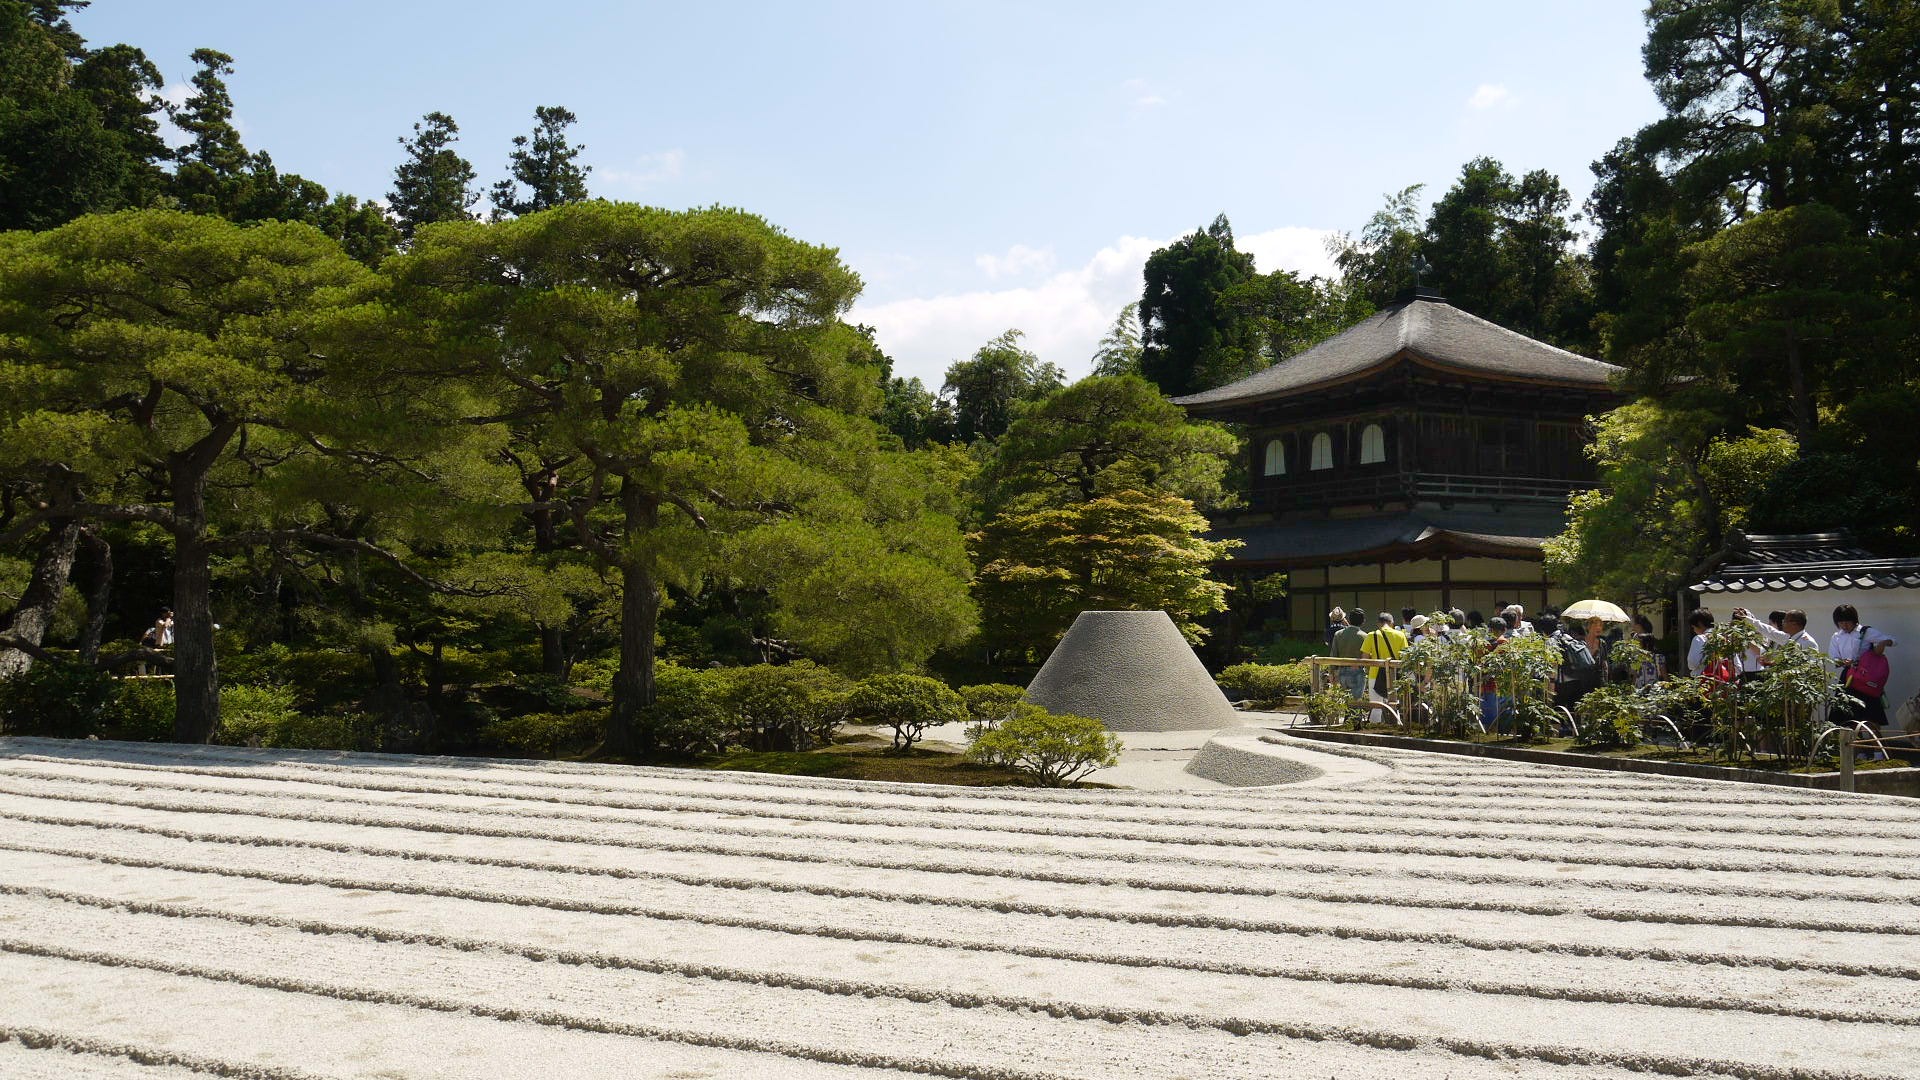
[173,912]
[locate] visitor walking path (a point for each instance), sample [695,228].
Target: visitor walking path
[172,912]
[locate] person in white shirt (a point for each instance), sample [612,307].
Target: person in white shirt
[1699,622]
[1516,617]
[1844,648]
[1791,631]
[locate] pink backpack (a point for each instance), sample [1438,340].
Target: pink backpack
[1868,675]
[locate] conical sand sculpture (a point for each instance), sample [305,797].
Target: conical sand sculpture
[1132,671]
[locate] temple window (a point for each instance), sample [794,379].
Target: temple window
[1322,457]
[1276,464]
[1373,445]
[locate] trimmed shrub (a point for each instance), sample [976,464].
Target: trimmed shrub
[687,716]
[909,704]
[1267,683]
[1055,749]
[988,704]
[1334,706]
[142,710]
[270,716]
[544,735]
[58,700]
[783,706]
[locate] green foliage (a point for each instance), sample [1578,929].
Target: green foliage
[78,128]
[1191,339]
[1334,706]
[1267,683]
[1119,351]
[1672,490]
[270,716]
[1445,674]
[63,701]
[1790,697]
[713,417]
[909,704]
[141,710]
[782,707]
[1130,551]
[990,704]
[1055,749]
[543,163]
[1379,263]
[1521,669]
[434,183]
[989,389]
[1102,435]
[687,715]
[543,735]
[1614,715]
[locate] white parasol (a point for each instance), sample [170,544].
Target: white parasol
[1595,609]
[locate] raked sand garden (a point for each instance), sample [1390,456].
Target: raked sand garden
[169,912]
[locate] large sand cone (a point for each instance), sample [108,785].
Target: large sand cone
[1132,671]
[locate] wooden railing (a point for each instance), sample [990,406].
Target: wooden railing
[1280,493]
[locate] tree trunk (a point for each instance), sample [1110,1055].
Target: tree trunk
[99,594]
[389,699]
[544,487]
[553,651]
[34,613]
[639,618]
[196,674]
[196,671]
[1805,416]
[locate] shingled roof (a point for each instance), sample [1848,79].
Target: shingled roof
[1407,534]
[1427,330]
[1799,562]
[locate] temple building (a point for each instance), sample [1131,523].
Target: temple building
[1419,459]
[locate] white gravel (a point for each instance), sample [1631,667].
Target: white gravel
[168,912]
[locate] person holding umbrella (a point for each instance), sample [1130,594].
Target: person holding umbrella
[1586,655]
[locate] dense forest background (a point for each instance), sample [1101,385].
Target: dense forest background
[423,463]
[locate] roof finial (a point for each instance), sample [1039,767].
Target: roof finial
[1420,266]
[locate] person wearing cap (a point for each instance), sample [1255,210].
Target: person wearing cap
[1346,645]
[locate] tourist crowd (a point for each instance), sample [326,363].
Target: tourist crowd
[1856,652]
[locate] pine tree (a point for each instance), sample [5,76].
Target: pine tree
[435,183]
[544,164]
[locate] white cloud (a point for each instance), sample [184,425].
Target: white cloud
[646,171]
[1065,314]
[1149,101]
[1019,260]
[1488,95]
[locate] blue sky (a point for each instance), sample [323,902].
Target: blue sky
[982,165]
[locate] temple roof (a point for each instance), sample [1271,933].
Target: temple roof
[1427,330]
[1411,534]
[1798,562]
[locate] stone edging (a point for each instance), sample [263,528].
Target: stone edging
[1869,781]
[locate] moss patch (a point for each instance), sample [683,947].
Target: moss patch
[1643,752]
[862,760]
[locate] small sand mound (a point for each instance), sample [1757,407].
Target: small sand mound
[1132,671]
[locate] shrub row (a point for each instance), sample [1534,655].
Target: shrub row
[1264,684]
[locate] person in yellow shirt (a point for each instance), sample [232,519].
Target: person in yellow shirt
[1385,642]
